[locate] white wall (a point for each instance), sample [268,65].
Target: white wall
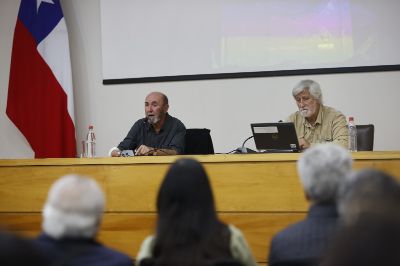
[227,107]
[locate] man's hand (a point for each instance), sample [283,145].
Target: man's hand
[304,144]
[116,153]
[144,150]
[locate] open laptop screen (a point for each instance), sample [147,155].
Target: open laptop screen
[278,137]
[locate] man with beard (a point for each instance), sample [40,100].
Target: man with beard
[314,122]
[156,134]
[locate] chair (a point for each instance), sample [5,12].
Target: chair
[365,137]
[198,141]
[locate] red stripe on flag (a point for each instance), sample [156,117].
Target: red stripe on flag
[36,102]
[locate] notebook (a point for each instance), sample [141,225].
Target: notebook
[275,137]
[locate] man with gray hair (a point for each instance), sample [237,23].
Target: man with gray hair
[71,220]
[314,122]
[322,170]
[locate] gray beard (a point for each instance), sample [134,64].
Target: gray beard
[304,113]
[153,120]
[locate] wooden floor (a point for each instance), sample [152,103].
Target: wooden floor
[259,193]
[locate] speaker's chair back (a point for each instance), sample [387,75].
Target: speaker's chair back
[365,137]
[198,141]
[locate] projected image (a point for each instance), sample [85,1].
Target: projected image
[192,39]
[277,34]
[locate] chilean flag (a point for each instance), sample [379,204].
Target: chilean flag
[40,98]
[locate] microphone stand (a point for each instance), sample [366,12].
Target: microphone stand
[243,149]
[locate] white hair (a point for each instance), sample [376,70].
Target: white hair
[311,86]
[74,208]
[322,169]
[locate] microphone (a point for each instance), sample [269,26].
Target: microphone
[243,149]
[244,142]
[127,153]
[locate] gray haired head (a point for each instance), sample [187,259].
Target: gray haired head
[74,208]
[322,169]
[311,86]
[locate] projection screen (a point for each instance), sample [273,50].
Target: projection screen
[156,40]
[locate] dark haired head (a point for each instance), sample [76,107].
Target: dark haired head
[369,191]
[185,188]
[370,241]
[188,231]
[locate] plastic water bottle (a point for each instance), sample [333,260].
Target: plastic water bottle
[90,143]
[352,135]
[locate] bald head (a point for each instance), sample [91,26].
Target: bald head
[156,108]
[158,95]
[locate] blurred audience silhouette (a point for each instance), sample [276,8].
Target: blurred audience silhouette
[71,220]
[18,251]
[188,230]
[370,235]
[322,169]
[368,191]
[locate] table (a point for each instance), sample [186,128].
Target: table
[259,193]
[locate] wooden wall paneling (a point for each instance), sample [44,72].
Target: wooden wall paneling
[126,231]
[259,193]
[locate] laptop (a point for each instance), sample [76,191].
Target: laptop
[275,137]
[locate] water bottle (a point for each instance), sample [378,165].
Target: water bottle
[352,135]
[90,143]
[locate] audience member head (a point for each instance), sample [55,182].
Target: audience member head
[188,229]
[73,208]
[369,192]
[17,251]
[322,168]
[156,107]
[368,204]
[370,241]
[185,193]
